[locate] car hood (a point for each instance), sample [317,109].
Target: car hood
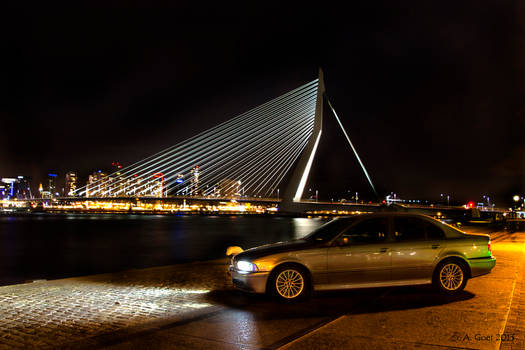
[275,248]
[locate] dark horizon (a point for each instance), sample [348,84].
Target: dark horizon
[429,93]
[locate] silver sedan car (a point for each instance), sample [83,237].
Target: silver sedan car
[375,250]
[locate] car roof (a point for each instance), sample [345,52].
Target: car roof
[449,230]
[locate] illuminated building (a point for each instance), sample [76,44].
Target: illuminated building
[194,181]
[156,185]
[117,186]
[114,186]
[24,188]
[97,184]
[8,190]
[71,183]
[51,185]
[15,188]
[41,190]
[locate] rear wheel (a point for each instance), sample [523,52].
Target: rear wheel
[450,277]
[290,283]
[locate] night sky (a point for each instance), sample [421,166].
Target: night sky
[430,93]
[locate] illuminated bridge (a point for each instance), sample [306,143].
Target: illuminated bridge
[261,156]
[247,156]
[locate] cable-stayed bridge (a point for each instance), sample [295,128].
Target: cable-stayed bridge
[266,152]
[246,155]
[263,155]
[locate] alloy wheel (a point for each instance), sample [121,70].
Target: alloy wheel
[289,283]
[451,276]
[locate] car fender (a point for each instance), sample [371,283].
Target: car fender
[452,254]
[292,258]
[269,263]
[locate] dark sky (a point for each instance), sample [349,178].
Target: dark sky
[430,93]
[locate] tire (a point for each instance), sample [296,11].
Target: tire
[450,277]
[290,283]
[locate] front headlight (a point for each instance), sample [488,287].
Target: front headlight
[246,266]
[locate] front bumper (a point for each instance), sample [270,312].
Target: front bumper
[254,282]
[481,266]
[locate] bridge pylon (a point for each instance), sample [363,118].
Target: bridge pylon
[295,188]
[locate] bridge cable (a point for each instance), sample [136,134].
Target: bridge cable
[352,146]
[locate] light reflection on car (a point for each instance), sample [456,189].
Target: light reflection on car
[375,250]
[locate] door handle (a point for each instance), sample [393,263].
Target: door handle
[435,246]
[383,250]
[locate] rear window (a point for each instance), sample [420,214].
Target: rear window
[409,229]
[434,232]
[368,231]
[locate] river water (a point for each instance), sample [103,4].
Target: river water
[44,246]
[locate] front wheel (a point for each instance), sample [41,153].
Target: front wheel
[450,277]
[290,283]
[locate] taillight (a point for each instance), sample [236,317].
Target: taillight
[490,250]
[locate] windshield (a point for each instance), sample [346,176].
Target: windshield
[329,230]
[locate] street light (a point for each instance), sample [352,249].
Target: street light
[516,198]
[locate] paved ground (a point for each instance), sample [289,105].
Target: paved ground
[193,306]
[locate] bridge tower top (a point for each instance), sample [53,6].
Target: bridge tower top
[297,183]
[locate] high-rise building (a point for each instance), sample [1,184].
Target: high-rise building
[194,181]
[97,184]
[116,186]
[51,185]
[71,183]
[157,185]
[9,186]
[15,188]
[23,188]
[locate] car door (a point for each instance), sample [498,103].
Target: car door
[415,248]
[364,257]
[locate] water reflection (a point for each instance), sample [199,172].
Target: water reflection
[53,246]
[303,226]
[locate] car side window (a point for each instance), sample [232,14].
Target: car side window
[409,229]
[367,232]
[434,232]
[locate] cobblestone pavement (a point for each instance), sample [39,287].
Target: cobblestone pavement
[69,312]
[514,334]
